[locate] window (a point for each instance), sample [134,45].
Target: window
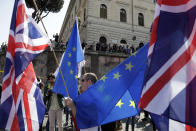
[123,42]
[103,11]
[123,15]
[102,40]
[140,19]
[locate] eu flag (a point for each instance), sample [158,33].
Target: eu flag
[72,56]
[119,88]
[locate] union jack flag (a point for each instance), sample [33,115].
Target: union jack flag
[170,85]
[21,105]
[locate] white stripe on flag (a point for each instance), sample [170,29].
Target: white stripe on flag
[176,126]
[179,9]
[33,108]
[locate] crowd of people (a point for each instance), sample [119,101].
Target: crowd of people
[111,48]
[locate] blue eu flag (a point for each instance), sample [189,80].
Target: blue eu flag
[119,89]
[73,55]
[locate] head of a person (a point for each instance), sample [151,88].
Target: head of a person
[41,85]
[51,78]
[87,80]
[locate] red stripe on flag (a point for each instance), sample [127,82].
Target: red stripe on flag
[190,128]
[167,75]
[28,77]
[15,125]
[175,2]
[159,2]
[7,82]
[11,46]
[15,91]
[27,111]
[33,48]
[21,15]
[153,37]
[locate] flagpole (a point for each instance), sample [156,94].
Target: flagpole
[39,16]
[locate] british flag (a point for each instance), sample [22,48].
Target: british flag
[170,85]
[21,105]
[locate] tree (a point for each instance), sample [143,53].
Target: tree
[45,7]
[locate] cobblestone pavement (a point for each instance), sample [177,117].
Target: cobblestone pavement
[139,124]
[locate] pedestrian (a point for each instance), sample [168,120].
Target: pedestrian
[132,123]
[87,80]
[55,104]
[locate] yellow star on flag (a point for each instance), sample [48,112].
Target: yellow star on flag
[71,71]
[132,103]
[76,76]
[74,49]
[128,66]
[104,78]
[69,54]
[119,104]
[117,76]
[69,63]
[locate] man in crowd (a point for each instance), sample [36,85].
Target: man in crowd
[55,104]
[87,80]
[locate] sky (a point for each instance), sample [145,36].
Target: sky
[52,22]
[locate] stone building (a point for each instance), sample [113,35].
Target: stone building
[125,22]
[113,22]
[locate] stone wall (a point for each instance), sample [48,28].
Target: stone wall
[97,62]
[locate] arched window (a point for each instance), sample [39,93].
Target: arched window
[140,19]
[123,15]
[123,42]
[103,40]
[103,11]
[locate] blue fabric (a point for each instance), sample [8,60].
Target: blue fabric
[72,56]
[161,122]
[96,106]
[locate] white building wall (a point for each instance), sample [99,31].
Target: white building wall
[111,28]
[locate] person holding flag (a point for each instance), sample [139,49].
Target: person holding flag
[66,83]
[87,80]
[114,97]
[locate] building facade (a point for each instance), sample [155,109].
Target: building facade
[121,22]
